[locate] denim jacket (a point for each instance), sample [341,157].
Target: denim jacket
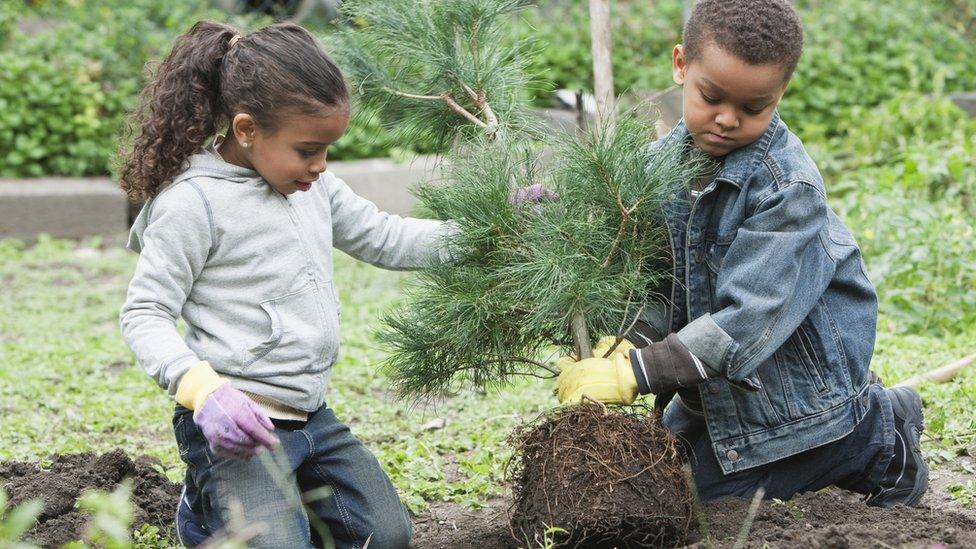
[770,290]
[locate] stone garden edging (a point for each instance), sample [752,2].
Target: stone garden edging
[78,207]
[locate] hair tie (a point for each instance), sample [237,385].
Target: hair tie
[233,41]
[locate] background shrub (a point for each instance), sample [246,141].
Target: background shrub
[86,65]
[68,85]
[70,81]
[904,180]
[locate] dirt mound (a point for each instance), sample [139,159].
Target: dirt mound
[610,478]
[60,484]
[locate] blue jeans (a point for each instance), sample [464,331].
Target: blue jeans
[348,496]
[855,462]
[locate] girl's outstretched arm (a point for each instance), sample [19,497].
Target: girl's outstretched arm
[386,240]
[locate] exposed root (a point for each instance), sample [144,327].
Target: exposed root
[610,478]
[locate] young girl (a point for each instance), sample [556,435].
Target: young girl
[236,239]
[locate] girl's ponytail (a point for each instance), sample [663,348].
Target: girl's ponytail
[178,111]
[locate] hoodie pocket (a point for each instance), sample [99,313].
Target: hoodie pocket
[298,339]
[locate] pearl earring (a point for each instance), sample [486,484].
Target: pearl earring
[245,144]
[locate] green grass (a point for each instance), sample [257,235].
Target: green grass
[69,384]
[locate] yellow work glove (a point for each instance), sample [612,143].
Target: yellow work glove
[606,342]
[197,384]
[609,380]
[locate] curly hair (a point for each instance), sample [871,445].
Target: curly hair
[204,82]
[756,31]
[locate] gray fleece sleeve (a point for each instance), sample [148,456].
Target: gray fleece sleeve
[173,248]
[386,240]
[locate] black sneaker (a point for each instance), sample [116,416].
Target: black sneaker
[190,530]
[907,476]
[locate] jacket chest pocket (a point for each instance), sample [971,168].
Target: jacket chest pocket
[302,330]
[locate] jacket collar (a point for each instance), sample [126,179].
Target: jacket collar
[742,162]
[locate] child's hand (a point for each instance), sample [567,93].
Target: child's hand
[532,194]
[234,425]
[605,342]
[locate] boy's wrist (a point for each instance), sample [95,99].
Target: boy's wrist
[197,384]
[668,365]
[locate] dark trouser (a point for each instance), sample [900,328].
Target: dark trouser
[856,462]
[348,496]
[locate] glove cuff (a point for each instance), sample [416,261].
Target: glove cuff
[197,384]
[669,365]
[635,364]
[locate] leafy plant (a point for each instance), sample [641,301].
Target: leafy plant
[905,181]
[111,516]
[16,521]
[964,493]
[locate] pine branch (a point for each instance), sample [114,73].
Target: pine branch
[432,48]
[445,97]
[525,278]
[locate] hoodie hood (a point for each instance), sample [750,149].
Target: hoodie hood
[206,163]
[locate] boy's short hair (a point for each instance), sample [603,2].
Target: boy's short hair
[756,31]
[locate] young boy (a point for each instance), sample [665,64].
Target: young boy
[771,322]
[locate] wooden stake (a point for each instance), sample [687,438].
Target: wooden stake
[602,66]
[938,375]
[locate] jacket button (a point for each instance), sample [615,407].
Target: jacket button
[732,455]
[713,388]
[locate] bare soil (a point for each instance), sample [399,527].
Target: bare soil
[832,519]
[825,519]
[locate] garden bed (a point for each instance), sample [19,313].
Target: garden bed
[832,518]
[64,367]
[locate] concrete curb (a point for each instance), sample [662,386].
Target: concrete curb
[64,207]
[80,207]
[966,101]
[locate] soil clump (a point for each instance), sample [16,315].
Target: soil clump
[608,477]
[63,478]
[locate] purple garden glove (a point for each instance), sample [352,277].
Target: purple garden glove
[532,194]
[234,425]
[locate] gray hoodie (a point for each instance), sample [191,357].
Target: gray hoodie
[250,271]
